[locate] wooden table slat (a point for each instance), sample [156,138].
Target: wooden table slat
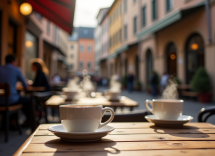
[61,146]
[139,137]
[196,152]
[146,125]
[146,131]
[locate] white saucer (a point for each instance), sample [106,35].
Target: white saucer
[59,131]
[169,123]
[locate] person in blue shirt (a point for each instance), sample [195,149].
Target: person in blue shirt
[11,74]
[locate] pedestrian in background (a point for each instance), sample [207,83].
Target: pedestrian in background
[154,82]
[130,80]
[164,81]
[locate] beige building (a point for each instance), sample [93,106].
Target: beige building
[177,37]
[174,36]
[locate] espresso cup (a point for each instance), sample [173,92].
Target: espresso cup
[83,118]
[165,109]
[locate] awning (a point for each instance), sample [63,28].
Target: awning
[168,20]
[60,12]
[118,51]
[54,47]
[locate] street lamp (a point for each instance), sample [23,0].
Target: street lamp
[25,8]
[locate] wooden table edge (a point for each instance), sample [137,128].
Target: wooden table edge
[26,143]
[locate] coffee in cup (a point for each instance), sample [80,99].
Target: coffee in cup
[165,109]
[83,118]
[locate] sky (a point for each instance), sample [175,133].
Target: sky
[87,10]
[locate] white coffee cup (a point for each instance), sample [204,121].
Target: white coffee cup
[83,118]
[165,109]
[114,95]
[70,94]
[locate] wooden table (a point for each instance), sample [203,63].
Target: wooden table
[128,139]
[57,100]
[30,89]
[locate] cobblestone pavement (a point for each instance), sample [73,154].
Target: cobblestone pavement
[15,141]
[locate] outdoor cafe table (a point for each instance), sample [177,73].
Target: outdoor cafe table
[128,139]
[31,90]
[57,100]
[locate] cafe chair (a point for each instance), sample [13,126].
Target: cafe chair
[205,113]
[134,116]
[7,110]
[40,99]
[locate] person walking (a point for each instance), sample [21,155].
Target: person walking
[154,81]
[164,81]
[130,80]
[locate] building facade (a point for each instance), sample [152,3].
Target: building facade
[72,52]
[29,37]
[86,50]
[163,36]
[101,36]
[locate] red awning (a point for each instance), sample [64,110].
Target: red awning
[60,12]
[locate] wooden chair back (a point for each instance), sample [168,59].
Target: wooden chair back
[135,116]
[5,92]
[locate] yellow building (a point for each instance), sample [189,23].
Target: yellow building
[115,15]
[115,30]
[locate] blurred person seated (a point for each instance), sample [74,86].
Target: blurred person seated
[11,74]
[39,67]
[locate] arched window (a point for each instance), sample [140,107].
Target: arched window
[194,55]
[149,65]
[171,59]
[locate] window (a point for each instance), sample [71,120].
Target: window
[81,48]
[89,48]
[169,5]
[135,24]
[125,5]
[81,65]
[144,16]
[71,66]
[72,47]
[48,27]
[89,65]
[154,9]
[72,55]
[39,16]
[125,32]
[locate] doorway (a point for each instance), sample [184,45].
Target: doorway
[195,57]
[137,67]
[12,36]
[171,59]
[126,67]
[149,65]
[0,36]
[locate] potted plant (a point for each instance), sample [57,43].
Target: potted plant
[138,85]
[201,83]
[124,82]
